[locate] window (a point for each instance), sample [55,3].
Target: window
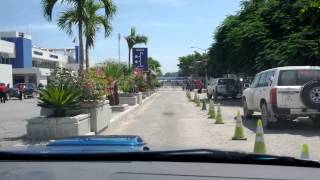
[53,56]
[269,77]
[298,77]
[37,53]
[255,81]
[262,81]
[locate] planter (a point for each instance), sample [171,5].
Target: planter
[130,99]
[46,128]
[139,97]
[100,113]
[145,94]
[119,108]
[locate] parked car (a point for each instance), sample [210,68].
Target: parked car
[225,87]
[284,93]
[29,90]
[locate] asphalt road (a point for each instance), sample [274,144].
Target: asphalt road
[13,116]
[169,120]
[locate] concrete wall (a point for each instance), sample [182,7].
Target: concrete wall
[6,73]
[23,52]
[7,48]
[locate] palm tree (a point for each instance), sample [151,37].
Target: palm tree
[79,15]
[93,22]
[154,65]
[134,39]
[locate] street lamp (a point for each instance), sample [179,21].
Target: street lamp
[206,64]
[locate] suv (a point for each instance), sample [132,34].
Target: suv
[222,87]
[284,93]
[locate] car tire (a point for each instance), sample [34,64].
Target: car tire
[215,96]
[246,112]
[209,96]
[316,121]
[266,116]
[310,94]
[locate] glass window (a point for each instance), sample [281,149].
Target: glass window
[269,78]
[255,81]
[298,77]
[262,81]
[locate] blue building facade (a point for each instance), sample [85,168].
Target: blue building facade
[23,48]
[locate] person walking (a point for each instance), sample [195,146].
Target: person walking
[20,87]
[3,91]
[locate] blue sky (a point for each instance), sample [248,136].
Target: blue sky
[173,26]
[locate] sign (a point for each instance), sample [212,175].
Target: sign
[140,58]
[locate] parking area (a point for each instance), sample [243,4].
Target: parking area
[13,116]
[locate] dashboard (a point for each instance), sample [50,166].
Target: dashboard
[16,170]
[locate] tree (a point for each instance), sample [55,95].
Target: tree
[266,34]
[79,13]
[154,65]
[134,39]
[193,65]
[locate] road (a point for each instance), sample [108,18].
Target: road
[13,116]
[169,120]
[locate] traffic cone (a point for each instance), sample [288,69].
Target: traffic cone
[212,111]
[259,145]
[204,105]
[210,107]
[238,132]
[305,152]
[219,119]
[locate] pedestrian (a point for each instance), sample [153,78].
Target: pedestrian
[20,88]
[3,91]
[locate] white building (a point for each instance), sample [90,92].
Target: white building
[29,64]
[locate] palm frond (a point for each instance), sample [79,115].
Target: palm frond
[47,6]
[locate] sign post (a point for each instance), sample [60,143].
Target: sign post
[140,58]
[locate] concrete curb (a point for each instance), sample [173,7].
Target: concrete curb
[123,115]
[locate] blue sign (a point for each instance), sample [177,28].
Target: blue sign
[140,58]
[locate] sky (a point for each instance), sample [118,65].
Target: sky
[172,26]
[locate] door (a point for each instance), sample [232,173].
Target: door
[251,92]
[261,91]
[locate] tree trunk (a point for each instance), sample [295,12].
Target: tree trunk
[129,63]
[80,46]
[87,56]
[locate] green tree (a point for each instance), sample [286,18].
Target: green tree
[266,34]
[193,65]
[134,39]
[154,65]
[79,14]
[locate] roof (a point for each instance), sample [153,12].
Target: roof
[292,68]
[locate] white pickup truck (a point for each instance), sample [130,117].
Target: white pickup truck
[284,93]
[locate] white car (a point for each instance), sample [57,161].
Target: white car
[284,93]
[224,87]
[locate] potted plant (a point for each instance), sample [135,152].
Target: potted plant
[60,98]
[93,86]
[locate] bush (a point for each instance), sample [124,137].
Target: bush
[60,98]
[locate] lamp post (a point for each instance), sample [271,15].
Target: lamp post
[206,64]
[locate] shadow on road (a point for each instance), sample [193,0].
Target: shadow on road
[299,127]
[230,102]
[22,139]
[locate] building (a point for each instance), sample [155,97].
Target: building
[28,63]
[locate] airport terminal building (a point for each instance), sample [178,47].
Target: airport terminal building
[21,61]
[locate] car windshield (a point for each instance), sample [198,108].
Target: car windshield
[298,77]
[180,74]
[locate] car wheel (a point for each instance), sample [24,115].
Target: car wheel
[246,112]
[234,96]
[209,96]
[266,116]
[316,121]
[310,94]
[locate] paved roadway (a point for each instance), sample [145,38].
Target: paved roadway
[170,121]
[13,116]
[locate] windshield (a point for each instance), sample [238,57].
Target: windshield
[180,74]
[298,77]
